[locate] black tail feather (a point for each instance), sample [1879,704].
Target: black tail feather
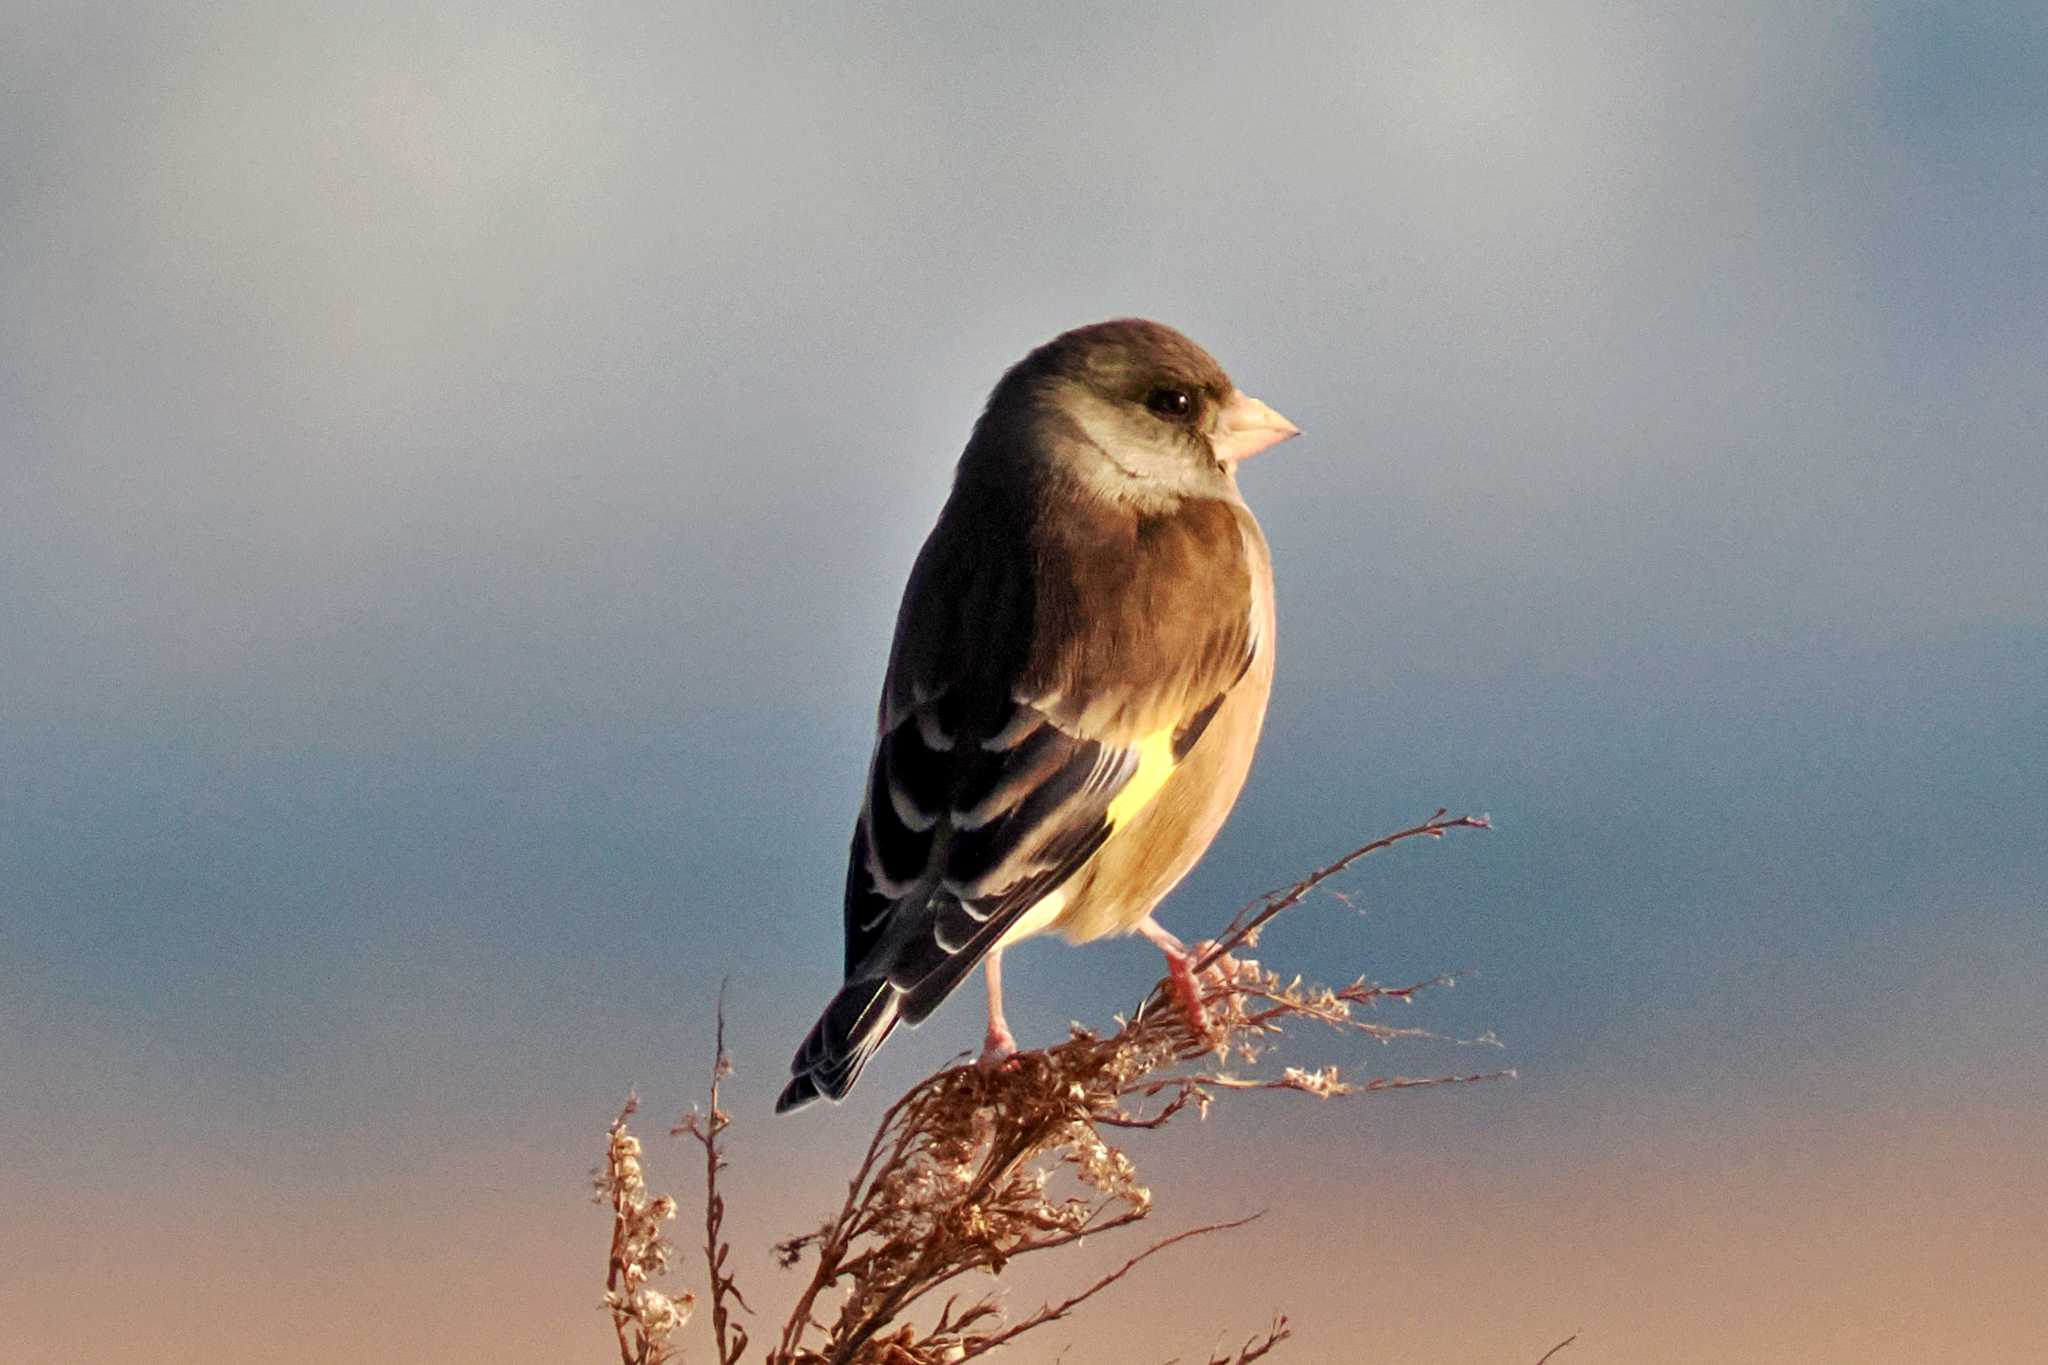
[853,1026]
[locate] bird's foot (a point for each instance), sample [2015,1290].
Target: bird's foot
[998,1047]
[1187,992]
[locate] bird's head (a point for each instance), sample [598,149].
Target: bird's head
[1138,411]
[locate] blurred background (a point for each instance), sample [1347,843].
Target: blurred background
[457,468]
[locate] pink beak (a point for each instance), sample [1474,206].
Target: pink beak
[1245,426]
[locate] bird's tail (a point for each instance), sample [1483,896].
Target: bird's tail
[853,1026]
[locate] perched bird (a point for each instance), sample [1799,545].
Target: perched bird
[1079,674]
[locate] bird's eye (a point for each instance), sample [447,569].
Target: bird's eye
[1170,402]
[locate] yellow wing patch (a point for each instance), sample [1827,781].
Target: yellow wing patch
[1155,764]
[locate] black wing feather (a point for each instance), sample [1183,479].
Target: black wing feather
[932,884]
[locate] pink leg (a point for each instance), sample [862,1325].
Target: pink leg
[1000,1043]
[1180,971]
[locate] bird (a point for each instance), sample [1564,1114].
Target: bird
[1077,681]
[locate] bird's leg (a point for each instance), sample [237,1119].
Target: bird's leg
[1180,971]
[1000,1043]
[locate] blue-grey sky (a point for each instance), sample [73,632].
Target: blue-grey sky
[458,464]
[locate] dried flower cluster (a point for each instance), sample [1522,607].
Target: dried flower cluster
[976,1166]
[643,1316]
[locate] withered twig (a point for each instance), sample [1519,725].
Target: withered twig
[1054,1312]
[1255,915]
[731,1336]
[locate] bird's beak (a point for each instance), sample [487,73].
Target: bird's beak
[1245,426]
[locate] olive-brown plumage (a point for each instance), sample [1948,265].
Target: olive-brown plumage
[1080,670]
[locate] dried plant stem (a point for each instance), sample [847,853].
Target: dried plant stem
[839,1233]
[707,1130]
[954,1179]
[975,1166]
[1054,1312]
[1245,925]
[1257,1347]
[615,1269]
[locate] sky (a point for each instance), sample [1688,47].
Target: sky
[458,463]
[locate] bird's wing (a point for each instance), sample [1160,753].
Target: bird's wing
[1035,703]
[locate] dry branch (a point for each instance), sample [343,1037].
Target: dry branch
[706,1129]
[976,1166]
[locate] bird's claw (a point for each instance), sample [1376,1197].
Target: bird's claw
[1187,992]
[997,1048]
